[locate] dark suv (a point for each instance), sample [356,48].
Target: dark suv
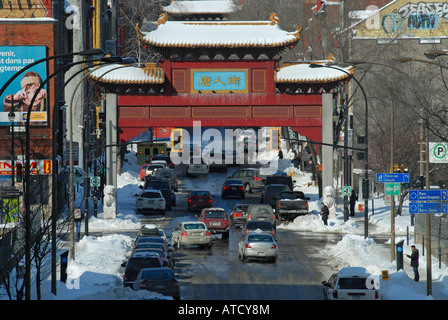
[163,185]
[280,179]
[271,192]
[138,261]
[250,177]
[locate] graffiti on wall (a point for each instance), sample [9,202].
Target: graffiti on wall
[415,16]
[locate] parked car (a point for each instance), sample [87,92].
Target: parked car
[169,263]
[144,239]
[170,175]
[197,166]
[261,212]
[264,226]
[160,280]
[352,283]
[271,192]
[157,246]
[153,167]
[143,171]
[257,245]
[138,261]
[280,178]
[191,233]
[216,220]
[250,177]
[164,186]
[199,200]
[232,187]
[237,215]
[291,204]
[150,200]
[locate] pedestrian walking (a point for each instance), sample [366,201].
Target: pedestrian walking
[324,212]
[414,262]
[353,199]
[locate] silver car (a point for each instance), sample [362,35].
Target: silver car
[250,177]
[191,233]
[258,245]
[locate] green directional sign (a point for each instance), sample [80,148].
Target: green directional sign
[392,189]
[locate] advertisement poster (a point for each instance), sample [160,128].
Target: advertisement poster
[18,95]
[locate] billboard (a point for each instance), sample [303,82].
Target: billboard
[18,95]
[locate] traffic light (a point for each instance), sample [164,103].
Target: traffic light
[399,248]
[19,174]
[176,140]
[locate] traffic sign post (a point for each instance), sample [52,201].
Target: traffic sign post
[346,191]
[392,177]
[95,181]
[428,195]
[438,152]
[428,207]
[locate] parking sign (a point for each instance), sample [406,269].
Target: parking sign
[438,152]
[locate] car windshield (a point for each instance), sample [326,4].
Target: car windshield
[157,240]
[259,238]
[200,194]
[242,208]
[157,274]
[150,245]
[154,166]
[139,263]
[192,226]
[150,195]
[263,225]
[353,283]
[291,195]
[215,215]
[161,185]
[233,182]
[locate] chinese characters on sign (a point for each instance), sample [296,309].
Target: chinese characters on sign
[219,81]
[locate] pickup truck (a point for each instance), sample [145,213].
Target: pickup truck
[291,204]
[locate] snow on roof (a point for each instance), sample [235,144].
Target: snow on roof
[218,34]
[308,72]
[199,7]
[116,73]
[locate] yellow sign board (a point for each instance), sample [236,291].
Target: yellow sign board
[385,275]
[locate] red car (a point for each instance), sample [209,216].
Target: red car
[216,220]
[143,171]
[199,200]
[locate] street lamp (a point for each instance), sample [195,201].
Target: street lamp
[12,118]
[365,184]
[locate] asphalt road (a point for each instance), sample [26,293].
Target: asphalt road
[218,274]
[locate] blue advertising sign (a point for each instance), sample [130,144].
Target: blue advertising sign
[428,207]
[428,195]
[219,80]
[18,95]
[392,177]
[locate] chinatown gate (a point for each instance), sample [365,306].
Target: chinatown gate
[223,74]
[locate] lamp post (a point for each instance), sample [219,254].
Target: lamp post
[12,118]
[365,184]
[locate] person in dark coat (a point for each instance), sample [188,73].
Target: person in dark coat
[325,213]
[353,199]
[414,262]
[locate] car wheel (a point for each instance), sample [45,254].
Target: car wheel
[248,188]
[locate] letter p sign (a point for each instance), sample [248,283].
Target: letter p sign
[438,152]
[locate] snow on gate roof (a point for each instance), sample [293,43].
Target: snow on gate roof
[307,72]
[199,7]
[232,34]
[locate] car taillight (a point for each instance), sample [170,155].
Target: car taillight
[242,188]
[273,233]
[225,187]
[273,217]
[279,204]
[125,276]
[207,233]
[210,200]
[306,204]
[273,246]
[184,234]
[335,294]
[247,231]
[189,200]
[256,178]
[237,214]
[248,246]
[142,285]
[161,199]
[175,284]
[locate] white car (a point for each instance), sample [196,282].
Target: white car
[258,245]
[150,200]
[153,167]
[352,283]
[197,166]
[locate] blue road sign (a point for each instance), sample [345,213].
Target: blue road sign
[392,177]
[428,195]
[428,207]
